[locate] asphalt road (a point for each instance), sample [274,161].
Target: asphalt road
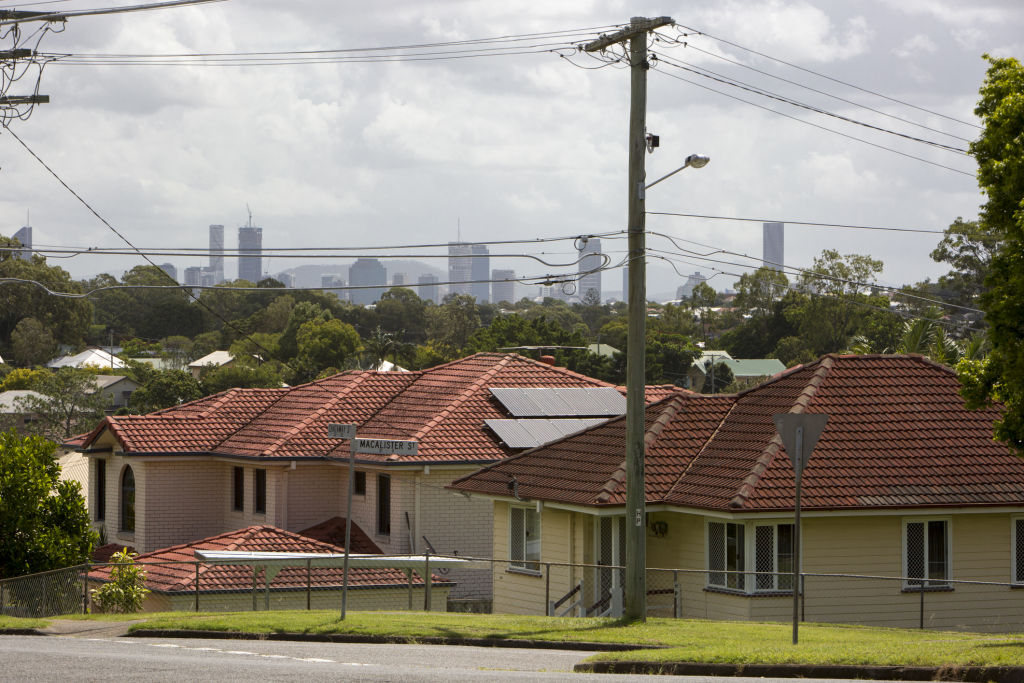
[61,658]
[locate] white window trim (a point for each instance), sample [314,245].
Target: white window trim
[1014,579]
[936,584]
[749,555]
[523,565]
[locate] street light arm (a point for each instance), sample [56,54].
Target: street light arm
[694,160]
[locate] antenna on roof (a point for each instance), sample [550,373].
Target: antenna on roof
[249,211]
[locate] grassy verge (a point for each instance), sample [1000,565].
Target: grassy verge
[683,640]
[18,622]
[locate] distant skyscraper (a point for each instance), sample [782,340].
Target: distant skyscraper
[333,284]
[25,237]
[216,269]
[685,291]
[590,260]
[367,272]
[480,272]
[193,276]
[286,279]
[460,268]
[501,290]
[398,280]
[250,246]
[428,289]
[170,270]
[773,249]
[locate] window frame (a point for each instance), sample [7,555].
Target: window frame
[100,509]
[359,483]
[238,489]
[259,491]
[126,507]
[925,582]
[526,563]
[383,508]
[749,557]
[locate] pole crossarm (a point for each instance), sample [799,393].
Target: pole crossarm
[642,25]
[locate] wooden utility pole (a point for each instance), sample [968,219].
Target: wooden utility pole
[635,596]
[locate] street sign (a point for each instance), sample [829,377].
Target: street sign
[799,432]
[341,431]
[386,446]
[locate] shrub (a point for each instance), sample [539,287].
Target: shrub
[126,589]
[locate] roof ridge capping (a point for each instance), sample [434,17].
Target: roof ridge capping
[746,489]
[463,396]
[667,414]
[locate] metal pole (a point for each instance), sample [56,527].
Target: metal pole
[85,591]
[921,624]
[426,580]
[197,588]
[547,586]
[796,536]
[348,525]
[309,582]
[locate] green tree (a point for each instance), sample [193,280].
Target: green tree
[702,299]
[381,344]
[968,249]
[999,152]
[149,310]
[32,343]
[400,310]
[23,378]
[454,321]
[302,313]
[718,377]
[43,521]
[164,388]
[241,376]
[69,405]
[323,344]
[126,589]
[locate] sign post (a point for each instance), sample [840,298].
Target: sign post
[799,432]
[357,445]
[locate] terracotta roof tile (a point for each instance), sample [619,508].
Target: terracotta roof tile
[178,573]
[898,436]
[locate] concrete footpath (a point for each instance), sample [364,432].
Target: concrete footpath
[968,674]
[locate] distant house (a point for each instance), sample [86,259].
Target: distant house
[176,581]
[742,368]
[118,388]
[90,357]
[11,414]
[262,456]
[905,488]
[214,359]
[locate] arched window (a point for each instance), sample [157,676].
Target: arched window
[127,500]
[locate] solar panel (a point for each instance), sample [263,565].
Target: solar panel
[537,432]
[561,401]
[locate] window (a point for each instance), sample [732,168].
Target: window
[1017,537]
[127,500]
[726,553]
[259,495]
[926,549]
[239,487]
[384,504]
[359,485]
[771,546]
[101,490]
[524,538]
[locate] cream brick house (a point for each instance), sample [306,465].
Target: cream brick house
[262,456]
[906,489]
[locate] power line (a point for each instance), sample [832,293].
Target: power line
[788,222]
[830,78]
[62,16]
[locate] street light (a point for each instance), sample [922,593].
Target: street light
[636,403]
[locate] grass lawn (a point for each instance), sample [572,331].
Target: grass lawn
[18,622]
[682,640]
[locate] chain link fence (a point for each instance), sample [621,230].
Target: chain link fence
[47,594]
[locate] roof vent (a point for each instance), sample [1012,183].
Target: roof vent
[550,360]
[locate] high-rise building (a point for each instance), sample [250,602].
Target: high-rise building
[685,291]
[170,270]
[216,268]
[428,289]
[590,261]
[398,280]
[772,254]
[25,237]
[479,273]
[333,284]
[250,248]
[460,268]
[503,286]
[367,272]
[193,276]
[286,279]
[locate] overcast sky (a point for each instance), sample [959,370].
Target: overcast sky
[506,147]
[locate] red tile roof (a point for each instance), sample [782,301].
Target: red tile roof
[333,531]
[898,435]
[443,408]
[178,574]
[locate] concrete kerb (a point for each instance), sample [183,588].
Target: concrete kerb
[968,674]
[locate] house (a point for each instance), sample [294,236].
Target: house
[904,483]
[262,456]
[742,368]
[90,357]
[117,388]
[214,359]
[11,413]
[176,580]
